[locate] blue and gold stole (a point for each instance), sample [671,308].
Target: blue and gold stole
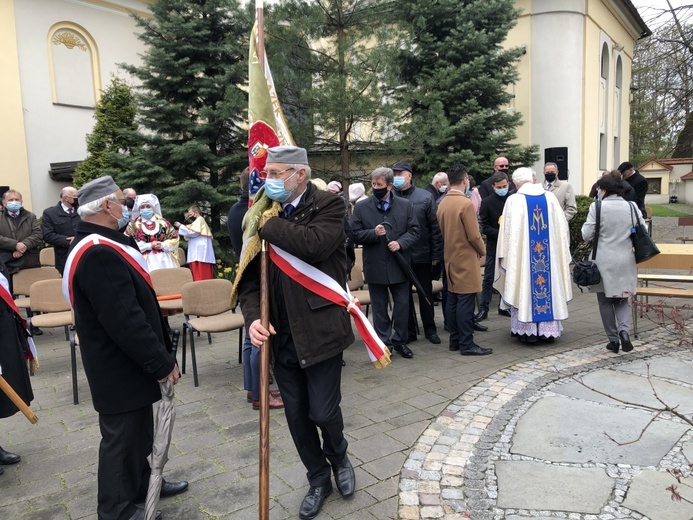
[539,258]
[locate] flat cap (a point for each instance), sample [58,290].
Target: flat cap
[401,166]
[287,155]
[96,189]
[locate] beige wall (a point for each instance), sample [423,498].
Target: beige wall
[14,171]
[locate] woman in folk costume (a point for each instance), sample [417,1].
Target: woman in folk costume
[201,258]
[156,238]
[16,349]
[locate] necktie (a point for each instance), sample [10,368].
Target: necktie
[288,210]
[70,211]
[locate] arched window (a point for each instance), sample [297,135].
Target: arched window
[618,101]
[603,106]
[74,66]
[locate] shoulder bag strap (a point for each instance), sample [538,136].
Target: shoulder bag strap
[595,241]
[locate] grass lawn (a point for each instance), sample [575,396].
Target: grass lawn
[671,210]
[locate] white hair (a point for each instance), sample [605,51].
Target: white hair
[304,167]
[92,208]
[523,176]
[440,177]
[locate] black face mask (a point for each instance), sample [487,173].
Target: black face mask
[130,203]
[75,203]
[379,193]
[550,177]
[189,220]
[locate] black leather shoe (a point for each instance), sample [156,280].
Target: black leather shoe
[170,489]
[476,350]
[313,501]
[626,345]
[433,338]
[479,327]
[35,331]
[454,348]
[481,316]
[344,477]
[404,351]
[504,312]
[613,346]
[8,458]
[139,515]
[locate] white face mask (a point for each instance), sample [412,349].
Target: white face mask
[443,188]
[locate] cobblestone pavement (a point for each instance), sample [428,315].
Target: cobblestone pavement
[390,416]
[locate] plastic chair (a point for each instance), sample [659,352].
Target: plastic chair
[48,306]
[210,301]
[168,286]
[47,257]
[24,279]
[357,282]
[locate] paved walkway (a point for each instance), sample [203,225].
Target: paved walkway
[438,436]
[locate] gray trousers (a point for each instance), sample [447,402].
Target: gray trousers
[616,315]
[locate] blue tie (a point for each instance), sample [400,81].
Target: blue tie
[288,210]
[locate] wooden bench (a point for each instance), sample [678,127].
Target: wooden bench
[683,223]
[659,292]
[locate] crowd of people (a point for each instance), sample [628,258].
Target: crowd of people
[106,241]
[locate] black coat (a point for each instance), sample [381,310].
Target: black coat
[57,226]
[315,233]
[486,187]
[234,222]
[124,347]
[489,214]
[379,264]
[12,360]
[639,184]
[429,245]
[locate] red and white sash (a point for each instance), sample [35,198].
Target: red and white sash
[323,285]
[130,254]
[32,355]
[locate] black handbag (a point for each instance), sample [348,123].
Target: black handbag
[643,245]
[586,273]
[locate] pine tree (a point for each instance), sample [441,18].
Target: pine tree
[115,117]
[328,64]
[451,77]
[191,106]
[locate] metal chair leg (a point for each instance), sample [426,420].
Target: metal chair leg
[73,356]
[241,336]
[193,357]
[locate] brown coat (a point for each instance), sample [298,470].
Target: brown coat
[462,243]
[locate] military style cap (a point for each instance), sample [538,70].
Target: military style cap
[287,155]
[96,189]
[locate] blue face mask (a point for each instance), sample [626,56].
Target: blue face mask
[398,183]
[126,213]
[599,195]
[147,213]
[468,193]
[502,192]
[14,206]
[275,190]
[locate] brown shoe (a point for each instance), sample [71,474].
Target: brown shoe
[249,396]
[275,393]
[274,403]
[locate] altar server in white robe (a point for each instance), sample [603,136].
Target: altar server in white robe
[533,260]
[196,232]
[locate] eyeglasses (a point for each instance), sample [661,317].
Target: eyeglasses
[503,166]
[273,174]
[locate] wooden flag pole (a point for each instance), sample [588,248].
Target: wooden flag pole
[263,506]
[9,392]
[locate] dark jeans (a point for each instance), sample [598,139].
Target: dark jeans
[487,287]
[123,474]
[251,367]
[460,314]
[423,273]
[312,398]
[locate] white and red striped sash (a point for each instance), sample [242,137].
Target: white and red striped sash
[32,355]
[130,254]
[323,285]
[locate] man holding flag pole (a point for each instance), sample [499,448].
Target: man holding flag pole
[298,304]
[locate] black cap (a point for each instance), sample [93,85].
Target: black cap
[401,166]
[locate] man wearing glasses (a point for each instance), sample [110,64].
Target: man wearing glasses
[499,165]
[307,333]
[125,349]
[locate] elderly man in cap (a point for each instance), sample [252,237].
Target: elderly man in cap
[426,253]
[307,333]
[125,350]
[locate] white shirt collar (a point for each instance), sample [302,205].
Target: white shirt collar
[65,208]
[294,202]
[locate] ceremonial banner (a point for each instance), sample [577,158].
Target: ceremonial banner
[267,126]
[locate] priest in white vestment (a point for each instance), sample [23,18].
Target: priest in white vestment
[196,232]
[533,260]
